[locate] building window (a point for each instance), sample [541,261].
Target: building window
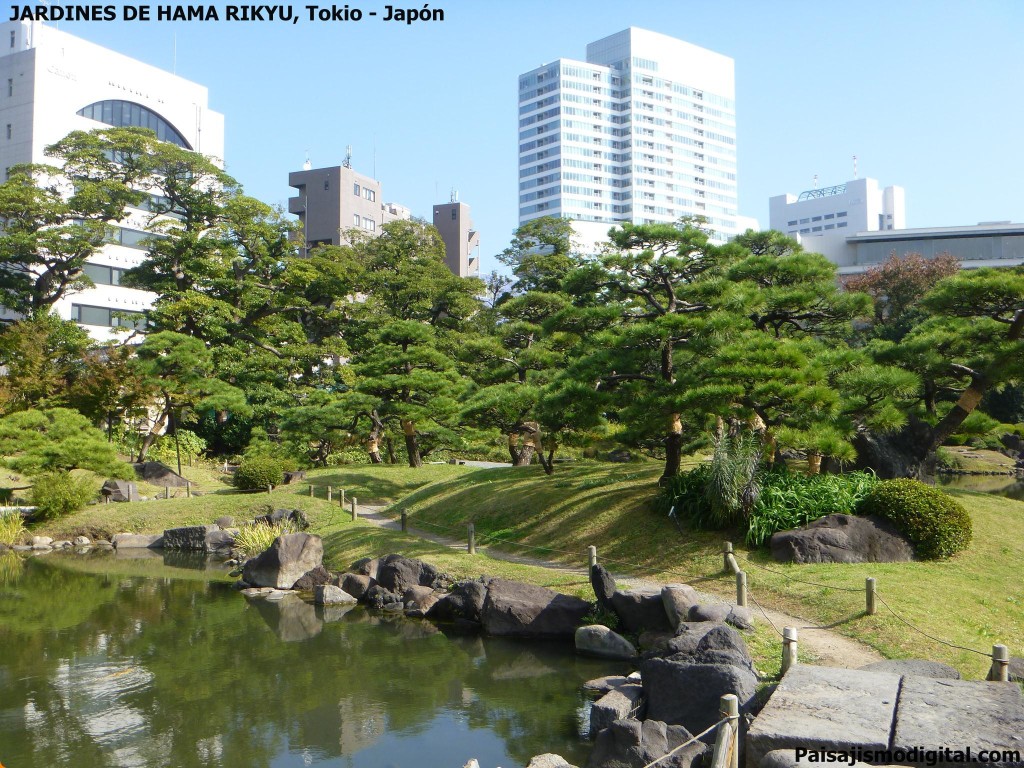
[327,184]
[12,38]
[122,114]
[805,221]
[370,225]
[369,194]
[10,86]
[8,130]
[841,215]
[106,317]
[103,275]
[355,189]
[840,224]
[830,215]
[455,214]
[791,223]
[816,218]
[357,221]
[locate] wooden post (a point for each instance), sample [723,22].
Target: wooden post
[225,466]
[592,553]
[330,492]
[726,554]
[311,492]
[869,596]
[269,488]
[405,521]
[472,539]
[789,648]
[355,514]
[167,491]
[188,489]
[741,589]
[1000,671]
[727,753]
[342,492]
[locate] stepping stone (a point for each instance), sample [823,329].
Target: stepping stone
[825,708]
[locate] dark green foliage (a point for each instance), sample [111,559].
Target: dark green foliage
[792,499]
[257,472]
[935,522]
[786,500]
[732,487]
[56,494]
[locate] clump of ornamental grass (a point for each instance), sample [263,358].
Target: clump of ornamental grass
[255,538]
[12,528]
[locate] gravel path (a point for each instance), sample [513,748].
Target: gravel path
[831,648]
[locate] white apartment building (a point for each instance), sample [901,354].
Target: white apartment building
[822,219]
[52,83]
[642,131]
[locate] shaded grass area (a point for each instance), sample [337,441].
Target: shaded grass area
[974,599]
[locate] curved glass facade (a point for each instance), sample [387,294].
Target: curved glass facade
[127,113]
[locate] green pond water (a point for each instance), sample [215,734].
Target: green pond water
[154,661]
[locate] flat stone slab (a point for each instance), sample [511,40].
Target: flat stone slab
[825,708]
[137,541]
[957,714]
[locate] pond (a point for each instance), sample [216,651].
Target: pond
[160,662]
[1009,486]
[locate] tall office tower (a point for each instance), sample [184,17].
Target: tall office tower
[52,83]
[643,131]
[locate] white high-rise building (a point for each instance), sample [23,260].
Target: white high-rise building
[642,131]
[52,83]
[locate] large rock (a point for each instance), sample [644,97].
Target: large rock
[192,538]
[681,693]
[957,714]
[603,585]
[678,599]
[159,474]
[597,640]
[634,744]
[641,609]
[418,600]
[688,635]
[288,559]
[293,517]
[624,702]
[602,685]
[717,612]
[720,645]
[312,579]
[1016,669]
[523,610]
[120,490]
[843,539]
[355,584]
[465,601]
[396,574]
[915,667]
[137,540]
[826,708]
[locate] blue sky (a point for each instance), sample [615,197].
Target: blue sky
[928,95]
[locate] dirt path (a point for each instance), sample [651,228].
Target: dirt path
[831,648]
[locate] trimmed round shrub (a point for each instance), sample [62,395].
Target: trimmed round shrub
[934,521]
[56,494]
[257,472]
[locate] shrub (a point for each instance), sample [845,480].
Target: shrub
[12,528]
[684,496]
[934,521]
[255,538]
[55,494]
[732,485]
[791,499]
[948,460]
[257,472]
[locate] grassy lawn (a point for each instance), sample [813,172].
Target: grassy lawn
[974,599]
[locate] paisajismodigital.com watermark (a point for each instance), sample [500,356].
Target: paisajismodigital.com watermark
[910,756]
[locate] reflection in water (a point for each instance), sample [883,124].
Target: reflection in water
[1009,486]
[118,670]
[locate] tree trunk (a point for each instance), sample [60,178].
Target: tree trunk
[392,459]
[673,450]
[412,446]
[813,463]
[521,450]
[373,449]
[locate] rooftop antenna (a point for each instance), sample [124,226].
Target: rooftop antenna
[854,166]
[815,181]
[455,195]
[348,156]
[307,165]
